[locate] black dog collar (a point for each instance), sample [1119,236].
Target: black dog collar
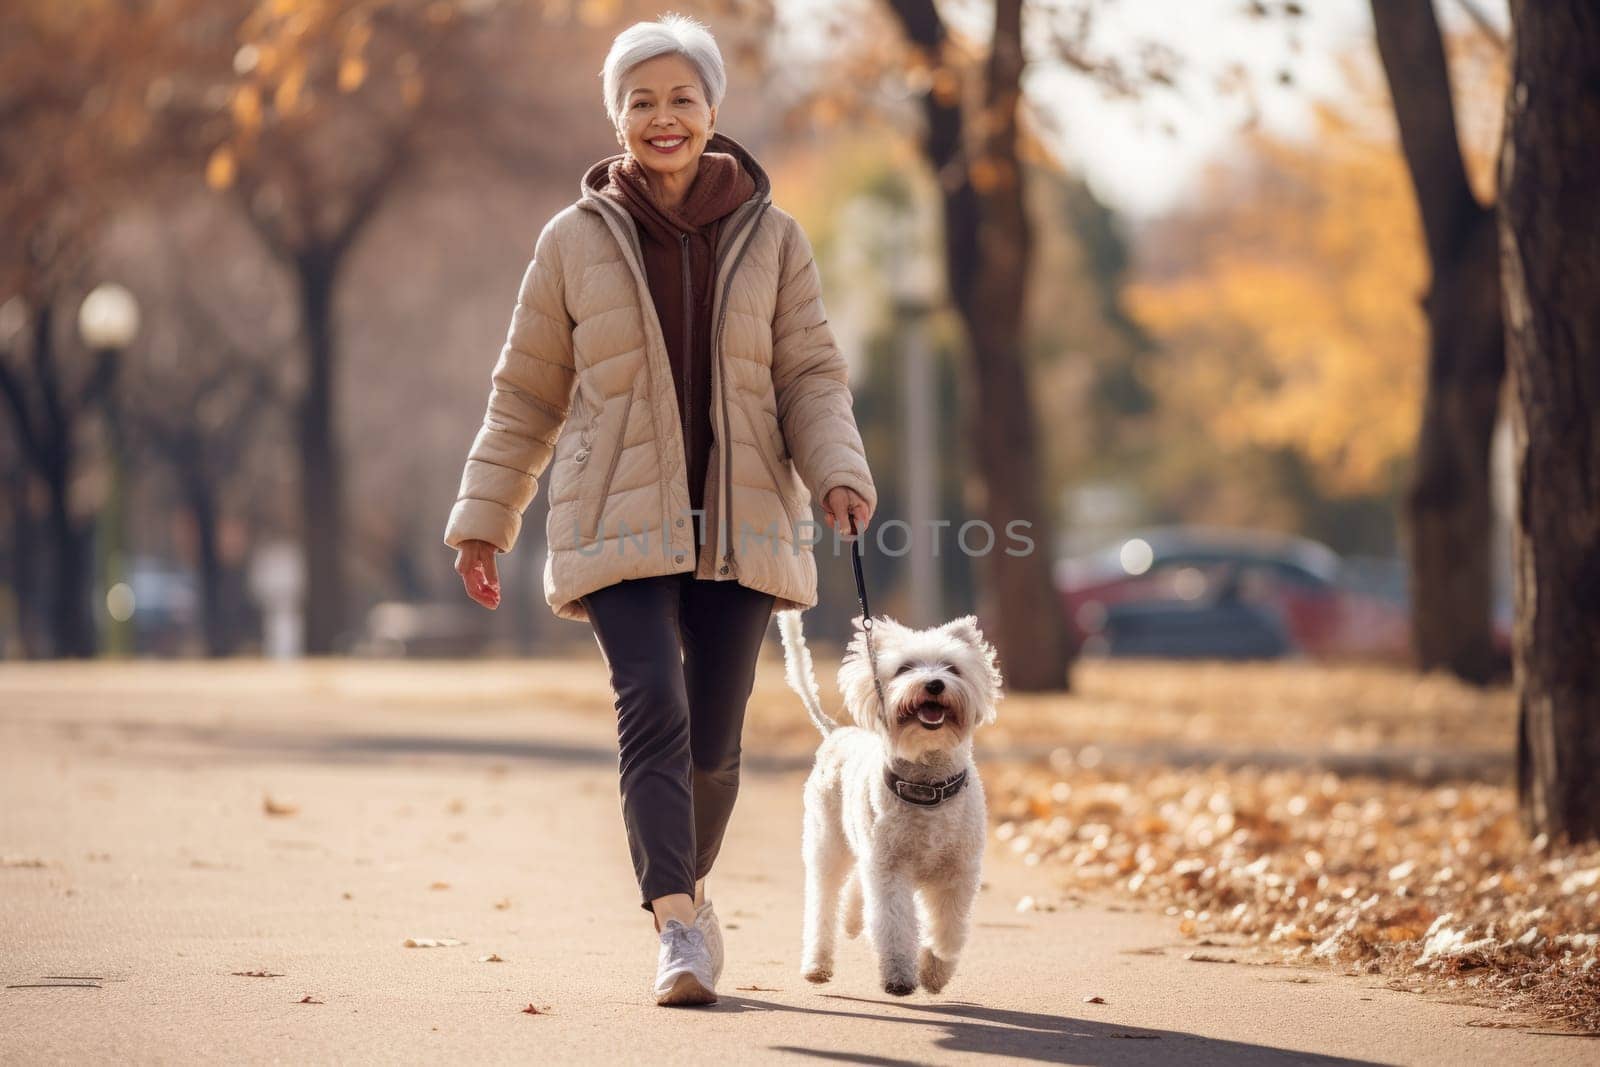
[923,794]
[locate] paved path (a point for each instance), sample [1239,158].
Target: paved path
[142,793]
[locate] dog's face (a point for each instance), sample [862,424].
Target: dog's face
[939,684]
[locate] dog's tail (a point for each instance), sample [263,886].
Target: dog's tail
[797,669]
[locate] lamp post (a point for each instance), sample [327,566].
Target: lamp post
[108,321]
[914,288]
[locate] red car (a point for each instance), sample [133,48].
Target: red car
[1188,591]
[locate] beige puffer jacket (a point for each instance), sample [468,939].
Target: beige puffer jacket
[584,378]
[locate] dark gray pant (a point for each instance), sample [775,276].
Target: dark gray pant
[682,656]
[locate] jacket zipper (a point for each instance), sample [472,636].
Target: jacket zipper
[716,353]
[688,357]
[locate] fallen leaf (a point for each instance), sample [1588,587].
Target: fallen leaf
[440,885]
[431,942]
[493,957]
[257,974]
[531,1010]
[1094,1000]
[276,807]
[307,999]
[502,904]
[20,861]
[757,989]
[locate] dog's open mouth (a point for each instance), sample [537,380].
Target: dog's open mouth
[930,713]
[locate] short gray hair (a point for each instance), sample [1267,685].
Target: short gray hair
[672,34]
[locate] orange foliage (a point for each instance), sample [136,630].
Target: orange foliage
[1288,301]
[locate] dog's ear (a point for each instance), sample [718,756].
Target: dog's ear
[966,629]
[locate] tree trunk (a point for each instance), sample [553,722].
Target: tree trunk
[25,565]
[321,476]
[1550,244]
[1448,505]
[988,257]
[71,618]
[215,625]
[72,623]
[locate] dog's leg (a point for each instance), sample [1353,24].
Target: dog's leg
[828,860]
[851,904]
[891,915]
[949,907]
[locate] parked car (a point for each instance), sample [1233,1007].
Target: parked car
[1196,591]
[166,606]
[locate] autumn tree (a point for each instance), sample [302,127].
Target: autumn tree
[1448,507]
[1550,255]
[334,106]
[212,377]
[76,119]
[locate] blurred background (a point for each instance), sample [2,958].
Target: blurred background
[1206,294]
[257,258]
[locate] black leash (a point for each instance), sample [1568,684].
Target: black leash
[866,614]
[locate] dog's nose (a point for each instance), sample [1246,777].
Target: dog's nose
[934,686]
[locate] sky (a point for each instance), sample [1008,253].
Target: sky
[1142,156]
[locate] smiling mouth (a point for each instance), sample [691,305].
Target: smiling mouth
[667,144]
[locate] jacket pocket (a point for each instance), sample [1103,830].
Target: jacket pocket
[777,469]
[602,454]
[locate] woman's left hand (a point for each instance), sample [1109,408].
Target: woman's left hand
[840,504]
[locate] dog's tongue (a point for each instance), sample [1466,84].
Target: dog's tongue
[931,714]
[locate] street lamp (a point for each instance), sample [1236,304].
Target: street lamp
[108,321]
[914,288]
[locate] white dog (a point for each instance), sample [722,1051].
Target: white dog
[895,820]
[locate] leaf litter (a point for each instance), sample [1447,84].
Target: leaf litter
[1436,885]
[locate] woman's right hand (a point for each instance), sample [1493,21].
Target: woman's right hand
[475,563]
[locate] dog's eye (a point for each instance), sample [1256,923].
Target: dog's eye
[953,669]
[902,668]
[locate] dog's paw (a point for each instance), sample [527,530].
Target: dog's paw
[899,978]
[819,974]
[934,972]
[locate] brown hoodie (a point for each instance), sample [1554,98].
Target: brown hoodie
[679,247]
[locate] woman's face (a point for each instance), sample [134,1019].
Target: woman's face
[665,119]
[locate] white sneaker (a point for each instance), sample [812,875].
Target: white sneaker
[683,971]
[705,920]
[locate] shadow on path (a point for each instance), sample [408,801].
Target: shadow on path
[218,742]
[1033,1036]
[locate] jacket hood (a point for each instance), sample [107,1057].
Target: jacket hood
[598,176]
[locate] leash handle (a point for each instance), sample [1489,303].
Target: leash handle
[866,615]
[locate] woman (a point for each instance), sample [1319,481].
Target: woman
[670,357]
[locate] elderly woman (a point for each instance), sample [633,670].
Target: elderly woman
[670,353]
